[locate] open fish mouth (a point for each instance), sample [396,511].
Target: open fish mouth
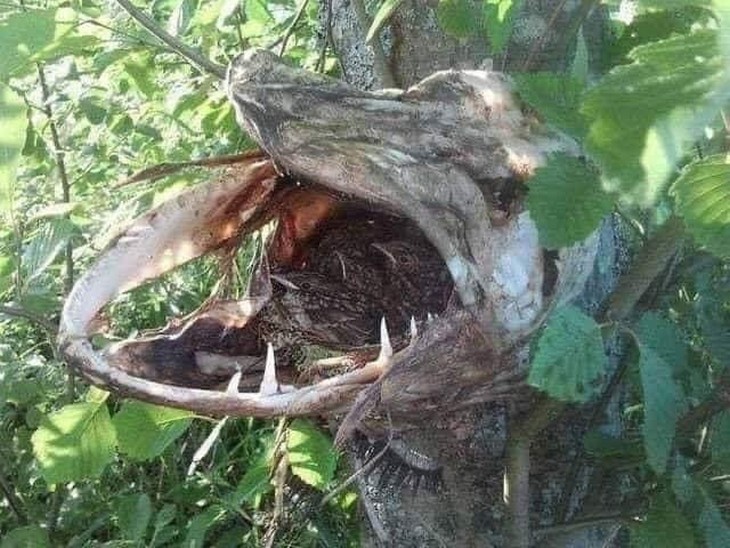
[401,242]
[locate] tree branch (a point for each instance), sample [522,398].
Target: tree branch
[192,55]
[652,259]
[517,471]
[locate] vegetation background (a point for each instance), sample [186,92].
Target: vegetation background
[87,97]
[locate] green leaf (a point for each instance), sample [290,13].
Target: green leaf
[499,17]
[663,404]
[13,120]
[665,525]
[199,525]
[569,358]
[644,115]
[30,536]
[664,338]
[45,246]
[133,516]
[144,430]
[702,197]
[712,524]
[720,440]
[311,455]
[385,11]
[93,109]
[556,98]
[554,194]
[74,443]
[459,19]
[22,35]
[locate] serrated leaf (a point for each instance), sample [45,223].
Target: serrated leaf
[556,98]
[566,201]
[664,338]
[720,440]
[644,115]
[499,18]
[664,402]
[45,246]
[30,536]
[702,197]
[569,358]
[74,443]
[144,430]
[459,19]
[665,525]
[714,528]
[133,516]
[311,455]
[13,120]
[385,12]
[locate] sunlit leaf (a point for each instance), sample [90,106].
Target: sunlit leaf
[23,35]
[74,443]
[45,246]
[569,359]
[566,201]
[556,97]
[499,17]
[644,115]
[702,197]
[385,11]
[13,121]
[311,455]
[144,430]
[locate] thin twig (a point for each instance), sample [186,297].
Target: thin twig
[16,505]
[168,168]
[17,312]
[191,54]
[290,30]
[58,152]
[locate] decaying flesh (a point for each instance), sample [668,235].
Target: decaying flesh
[446,156]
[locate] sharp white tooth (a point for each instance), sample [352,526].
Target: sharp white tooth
[414,330]
[429,317]
[232,387]
[386,349]
[269,384]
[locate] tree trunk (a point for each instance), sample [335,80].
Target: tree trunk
[472,446]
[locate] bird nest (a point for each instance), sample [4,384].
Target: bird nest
[402,248]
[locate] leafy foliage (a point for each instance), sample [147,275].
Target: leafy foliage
[569,358]
[702,195]
[144,431]
[310,454]
[640,117]
[554,192]
[75,442]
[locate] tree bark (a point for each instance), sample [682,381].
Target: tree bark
[472,446]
